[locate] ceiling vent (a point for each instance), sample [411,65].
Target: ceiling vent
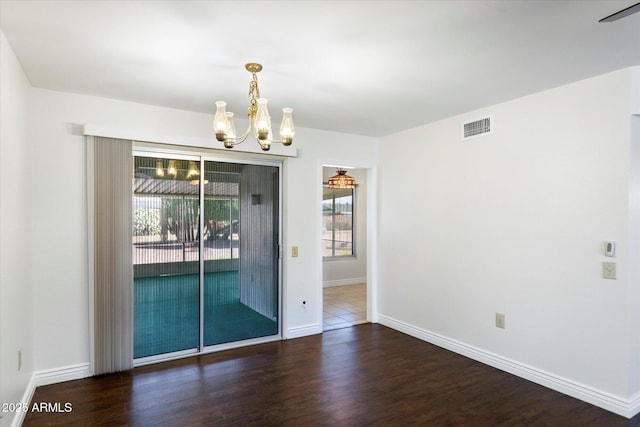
[476,128]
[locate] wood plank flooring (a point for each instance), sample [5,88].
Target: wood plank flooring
[366,375]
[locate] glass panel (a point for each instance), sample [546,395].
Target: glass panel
[241,263]
[166,256]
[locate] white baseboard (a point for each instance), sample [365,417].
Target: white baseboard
[49,376]
[634,405]
[18,419]
[303,331]
[616,404]
[343,282]
[58,375]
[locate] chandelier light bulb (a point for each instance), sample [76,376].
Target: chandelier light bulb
[231,132]
[262,120]
[287,130]
[220,121]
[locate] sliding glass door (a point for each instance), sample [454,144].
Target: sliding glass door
[166,257]
[241,265]
[206,267]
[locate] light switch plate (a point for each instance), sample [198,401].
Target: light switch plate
[609,270]
[294,251]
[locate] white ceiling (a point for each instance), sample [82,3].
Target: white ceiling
[363,67]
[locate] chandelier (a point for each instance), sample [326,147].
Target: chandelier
[342,180]
[259,119]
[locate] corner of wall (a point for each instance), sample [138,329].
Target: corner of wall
[634,80]
[634,249]
[16,304]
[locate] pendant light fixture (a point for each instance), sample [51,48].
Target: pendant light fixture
[172,170]
[259,119]
[159,169]
[342,180]
[193,174]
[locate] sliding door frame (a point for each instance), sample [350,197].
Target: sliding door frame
[175,155]
[261,162]
[201,156]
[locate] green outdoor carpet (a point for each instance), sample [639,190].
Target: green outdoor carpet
[166,313]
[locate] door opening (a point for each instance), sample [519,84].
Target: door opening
[344,261]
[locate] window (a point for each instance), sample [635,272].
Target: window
[337,222]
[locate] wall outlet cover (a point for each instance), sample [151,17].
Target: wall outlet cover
[500,320]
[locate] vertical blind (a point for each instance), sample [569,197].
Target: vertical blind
[113,269]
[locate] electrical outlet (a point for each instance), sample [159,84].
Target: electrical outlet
[500,320]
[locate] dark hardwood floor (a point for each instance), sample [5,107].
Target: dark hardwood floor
[364,375]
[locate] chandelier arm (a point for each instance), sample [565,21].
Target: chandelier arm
[240,139]
[272,141]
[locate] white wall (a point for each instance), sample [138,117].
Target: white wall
[514,223]
[16,326]
[350,270]
[59,231]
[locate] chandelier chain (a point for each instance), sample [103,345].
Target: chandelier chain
[254,94]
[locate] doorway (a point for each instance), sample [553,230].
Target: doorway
[344,243]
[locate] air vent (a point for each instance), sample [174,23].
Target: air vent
[477,128]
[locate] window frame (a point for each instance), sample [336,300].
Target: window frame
[353,228]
